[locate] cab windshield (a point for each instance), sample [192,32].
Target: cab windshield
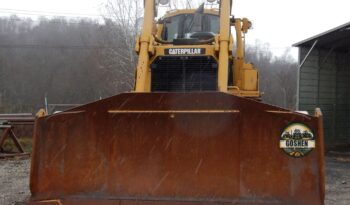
[190,26]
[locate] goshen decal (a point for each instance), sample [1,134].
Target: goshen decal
[297,140]
[185,51]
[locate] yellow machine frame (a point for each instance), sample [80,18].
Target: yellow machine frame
[245,76]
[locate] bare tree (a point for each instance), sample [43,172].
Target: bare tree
[123,20]
[278,75]
[58,57]
[78,61]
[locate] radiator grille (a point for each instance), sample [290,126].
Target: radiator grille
[184,74]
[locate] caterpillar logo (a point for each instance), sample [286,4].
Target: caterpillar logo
[184,51]
[297,140]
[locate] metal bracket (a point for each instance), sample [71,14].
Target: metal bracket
[327,56]
[307,55]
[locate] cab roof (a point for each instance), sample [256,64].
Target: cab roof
[176,12]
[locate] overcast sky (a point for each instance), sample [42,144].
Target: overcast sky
[280,23]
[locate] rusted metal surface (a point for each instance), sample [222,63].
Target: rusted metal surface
[149,202]
[7,125]
[13,155]
[173,148]
[17,119]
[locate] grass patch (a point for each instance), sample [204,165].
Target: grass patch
[9,145]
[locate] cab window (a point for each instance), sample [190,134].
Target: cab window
[182,26]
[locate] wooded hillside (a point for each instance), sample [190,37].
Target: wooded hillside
[72,61]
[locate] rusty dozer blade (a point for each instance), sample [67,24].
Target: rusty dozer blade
[177,148]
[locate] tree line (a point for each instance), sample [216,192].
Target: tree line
[67,61]
[79,61]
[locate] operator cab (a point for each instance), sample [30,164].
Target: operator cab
[190,28]
[190,68]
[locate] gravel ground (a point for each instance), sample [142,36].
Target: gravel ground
[338,180]
[14,181]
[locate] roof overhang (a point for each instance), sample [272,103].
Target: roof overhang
[336,39]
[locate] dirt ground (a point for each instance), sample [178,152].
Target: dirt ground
[338,180]
[14,181]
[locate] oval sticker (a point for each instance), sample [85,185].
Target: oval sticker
[297,140]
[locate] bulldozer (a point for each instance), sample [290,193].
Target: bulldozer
[192,132]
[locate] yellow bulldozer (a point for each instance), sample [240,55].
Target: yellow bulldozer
[193,131]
